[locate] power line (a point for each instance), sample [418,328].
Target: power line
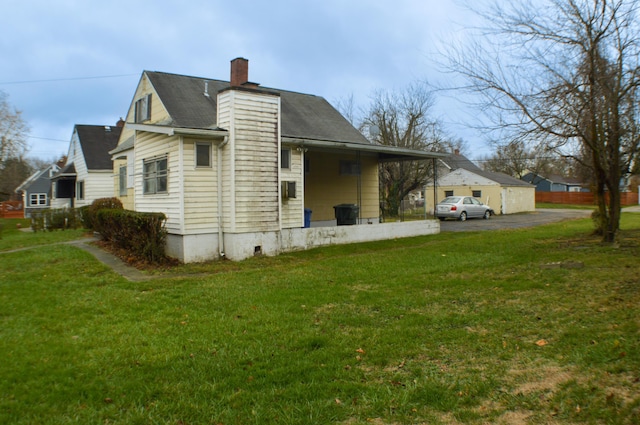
[46,138]
[65,79]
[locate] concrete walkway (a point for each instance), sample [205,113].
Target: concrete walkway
[116,264]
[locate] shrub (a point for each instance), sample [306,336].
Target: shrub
[54,219]
[88,214]
[142,234]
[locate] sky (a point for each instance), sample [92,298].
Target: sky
[68,62]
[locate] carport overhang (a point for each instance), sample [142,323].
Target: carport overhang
[384,153]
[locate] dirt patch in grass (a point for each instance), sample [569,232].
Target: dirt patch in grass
[627,239]
[542,379]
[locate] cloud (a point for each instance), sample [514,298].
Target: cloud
[331,48]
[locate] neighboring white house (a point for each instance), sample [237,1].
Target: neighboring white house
[457,175]
[242,170]
[87,175]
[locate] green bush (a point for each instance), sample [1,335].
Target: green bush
[83,212]
[142,234]
[88,213]
[55,219]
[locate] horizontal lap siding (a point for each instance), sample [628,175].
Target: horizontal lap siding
[151,145]
[256,150]
[325,187]
[97,185]
[200,191]
[292,208]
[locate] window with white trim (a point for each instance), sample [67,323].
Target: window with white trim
[203,154]
[80,190]
[142,110]
[285,158]
[122,180]
[37,199]
[154,176]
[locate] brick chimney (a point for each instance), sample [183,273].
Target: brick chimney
[239,72]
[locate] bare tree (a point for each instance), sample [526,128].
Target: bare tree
[513,159]
[563,74]
[403,119]
[13,131]
[13,172]
[13,145]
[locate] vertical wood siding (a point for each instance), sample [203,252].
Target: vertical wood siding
[256,162]
[250,197]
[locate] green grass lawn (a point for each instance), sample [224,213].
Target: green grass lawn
[534,326]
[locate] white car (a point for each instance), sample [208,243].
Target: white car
[462,207]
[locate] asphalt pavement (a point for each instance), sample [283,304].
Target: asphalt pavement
[514,221]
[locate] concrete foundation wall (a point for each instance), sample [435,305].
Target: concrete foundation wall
[193,248]
[240,246]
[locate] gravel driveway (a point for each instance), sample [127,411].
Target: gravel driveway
[514,221]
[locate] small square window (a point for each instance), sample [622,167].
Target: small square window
[349,168]
[448,193]
[476,193]
[203,155]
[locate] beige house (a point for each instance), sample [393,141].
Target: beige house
[456,175]
[243,170]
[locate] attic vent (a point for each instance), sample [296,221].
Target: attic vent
[107,128]
[206,88]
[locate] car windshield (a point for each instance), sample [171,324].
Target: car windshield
[451,200]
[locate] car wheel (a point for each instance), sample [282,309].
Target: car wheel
[487,215]
[463,216]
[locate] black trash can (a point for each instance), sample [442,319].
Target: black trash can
[346,214]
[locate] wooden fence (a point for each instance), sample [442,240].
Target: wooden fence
[581,198]
[11,209]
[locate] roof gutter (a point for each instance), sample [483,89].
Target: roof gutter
[180,131]
[392,152]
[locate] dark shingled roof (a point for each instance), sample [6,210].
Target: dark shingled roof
[96,142]
[303,116]
[456,161]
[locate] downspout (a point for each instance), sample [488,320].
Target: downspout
[220,230]
[435,187]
